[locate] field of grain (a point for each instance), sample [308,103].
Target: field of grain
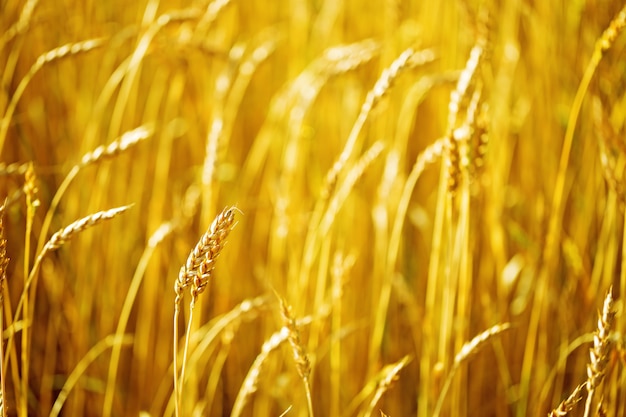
[312,208]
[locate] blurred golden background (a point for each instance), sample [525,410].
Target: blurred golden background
[407,174]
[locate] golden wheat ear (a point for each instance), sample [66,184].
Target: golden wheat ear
[195,273]
[568,404]
[303,364]
[599,353]
[467,351]
[201,261]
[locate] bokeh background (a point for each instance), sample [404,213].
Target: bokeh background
[409,253]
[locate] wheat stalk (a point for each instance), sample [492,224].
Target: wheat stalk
[164,230]
[32,202]
[4,262]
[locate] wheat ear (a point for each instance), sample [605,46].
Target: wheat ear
[195,273]
[457,99]
[121,144]
[601,46]
[469,349]
[599,354]
[42,60]
[303,365]
[408,59]
[56,241]
[568,404]
[250,382]
[15,168]
[388,375]
[22,24]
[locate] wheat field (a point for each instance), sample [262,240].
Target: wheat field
[312,208]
